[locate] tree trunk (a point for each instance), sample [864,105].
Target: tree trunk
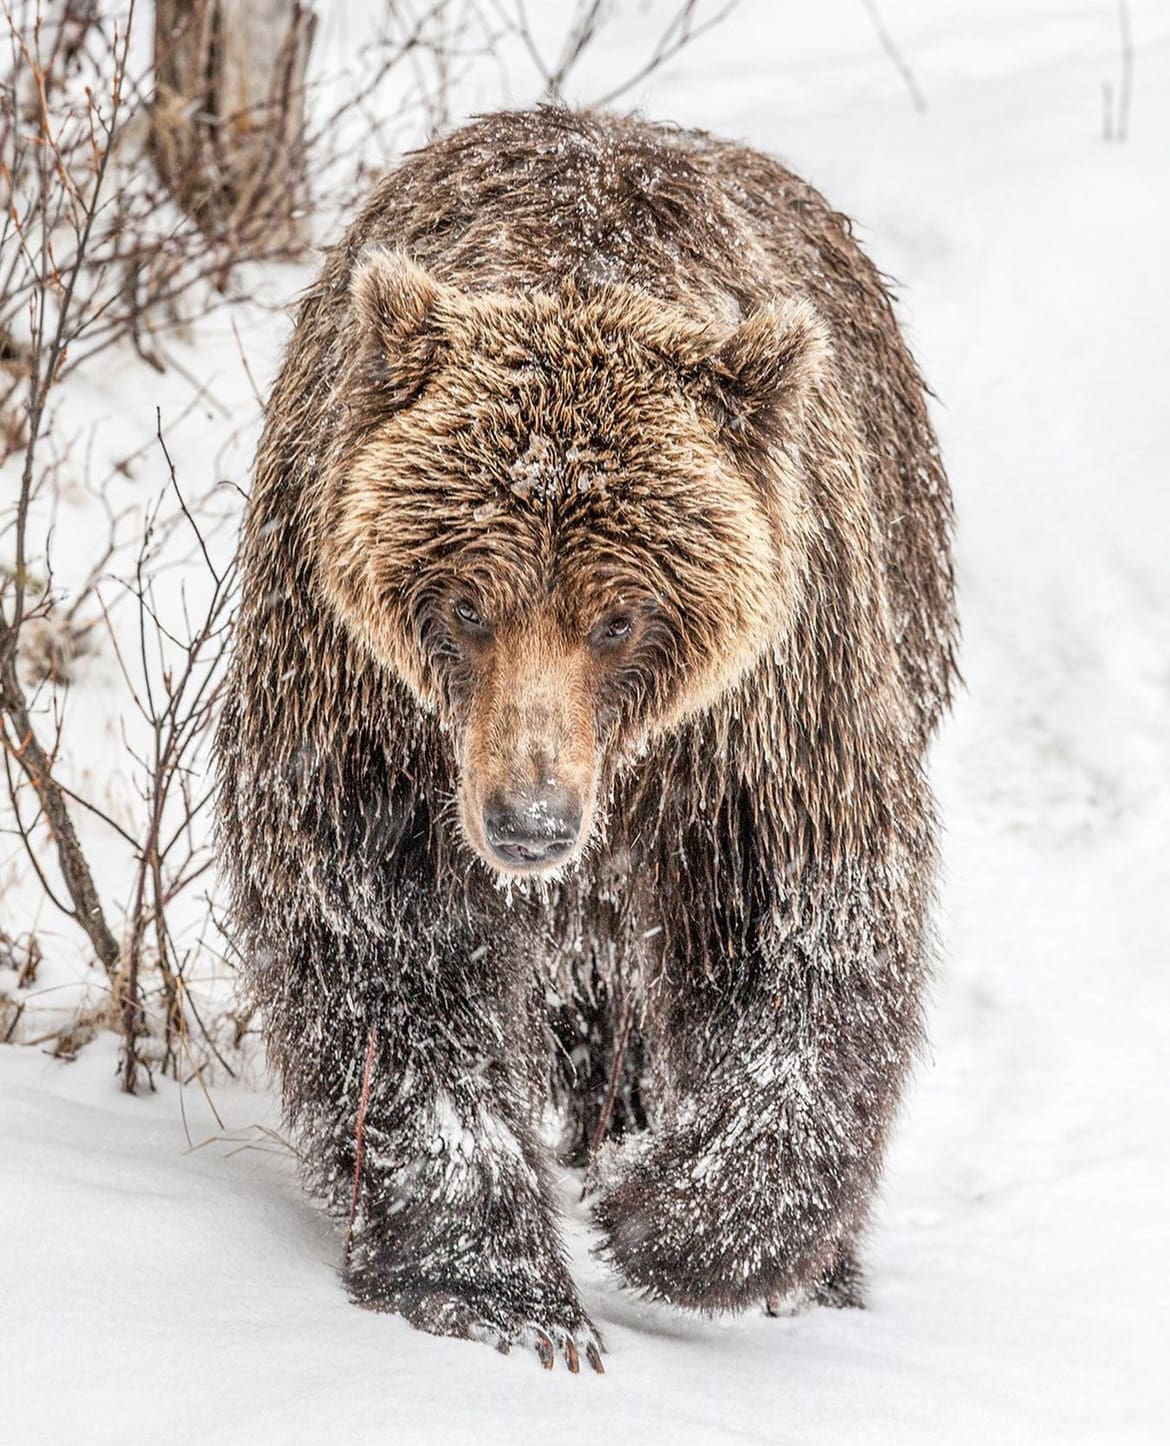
[228,124]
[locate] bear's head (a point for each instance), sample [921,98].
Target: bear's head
[566,522]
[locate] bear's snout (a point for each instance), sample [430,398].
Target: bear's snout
[528,757]
[533,830]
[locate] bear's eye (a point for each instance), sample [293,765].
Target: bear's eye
[615,629]
[468,614]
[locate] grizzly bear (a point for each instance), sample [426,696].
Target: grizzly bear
[597,610]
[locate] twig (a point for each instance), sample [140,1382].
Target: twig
[889,45]
[681,32]
[359,1132]
[24,746]
[1125,92]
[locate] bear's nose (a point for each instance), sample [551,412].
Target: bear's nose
[532,832]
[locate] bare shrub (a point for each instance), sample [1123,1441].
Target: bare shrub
[138,182]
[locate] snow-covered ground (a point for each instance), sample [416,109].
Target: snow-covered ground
[1019,1283]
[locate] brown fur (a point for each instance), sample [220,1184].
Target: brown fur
[573,367]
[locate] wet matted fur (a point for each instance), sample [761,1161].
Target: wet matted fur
[596,451]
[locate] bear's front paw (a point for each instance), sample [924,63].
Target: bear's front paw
[683,1224]
[502,1313]
[653,1227]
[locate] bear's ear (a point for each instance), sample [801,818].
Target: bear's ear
[767,363]
[400,311]
[773,357]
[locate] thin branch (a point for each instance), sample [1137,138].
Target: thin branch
[1125,93]
[359,1132]
[889,45]
[681,32]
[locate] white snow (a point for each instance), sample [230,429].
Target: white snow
[1018,1276]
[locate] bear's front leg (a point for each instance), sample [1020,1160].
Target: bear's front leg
[455,1229]
[775,1101]
[417,1092]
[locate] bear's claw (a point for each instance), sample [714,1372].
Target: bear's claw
[475,1317]
[557,1340]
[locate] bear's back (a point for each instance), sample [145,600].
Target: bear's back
[540,199]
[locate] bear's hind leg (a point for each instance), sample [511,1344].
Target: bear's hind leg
[843,1288]
[598,1064]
